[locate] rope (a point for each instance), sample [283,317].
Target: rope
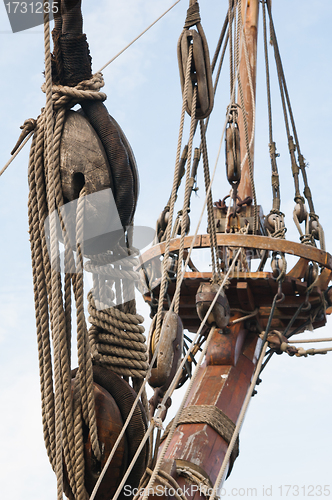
[49,158]
[305,341]
[139,36]
[61,414]
[173,197]
[186,197]
[16,152]
[126,423]
[272,145]
[166,480]
[174,383]
[211,222]
[193,16]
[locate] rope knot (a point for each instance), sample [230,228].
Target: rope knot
[157,422]
[65,96]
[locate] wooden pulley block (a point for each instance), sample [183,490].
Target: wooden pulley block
[300,212]
[314,228]
[170,349]
[233,153]
[109,426]
[201,75]
[220,313]
[84,163]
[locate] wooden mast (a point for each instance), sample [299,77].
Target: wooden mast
[250,30]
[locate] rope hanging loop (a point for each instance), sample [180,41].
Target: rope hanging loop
[201,73]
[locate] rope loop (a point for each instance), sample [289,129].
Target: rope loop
[65,96]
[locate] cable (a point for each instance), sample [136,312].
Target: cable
[139,36]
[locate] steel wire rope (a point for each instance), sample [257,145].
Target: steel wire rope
[139,36]
[154,357]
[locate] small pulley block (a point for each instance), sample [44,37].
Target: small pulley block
[169,351]
[201,75]
[220,313]
[233,154]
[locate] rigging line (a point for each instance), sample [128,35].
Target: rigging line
[305,341]
[208,191]
[219,44]
[173,195]
[49,160]
[16,152]
[154,357]
[238,425]
[174,383]
[307,192]
[272,145]
[139,36]
[101,69]
[186,195]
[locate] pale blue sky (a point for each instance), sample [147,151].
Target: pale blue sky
[286,438]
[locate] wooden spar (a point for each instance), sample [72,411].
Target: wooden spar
[223,382]
[250,30]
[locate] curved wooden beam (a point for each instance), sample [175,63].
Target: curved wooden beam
[245,241]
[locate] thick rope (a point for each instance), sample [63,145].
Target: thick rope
[61,426]
[49,158]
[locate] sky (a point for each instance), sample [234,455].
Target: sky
[286,438]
